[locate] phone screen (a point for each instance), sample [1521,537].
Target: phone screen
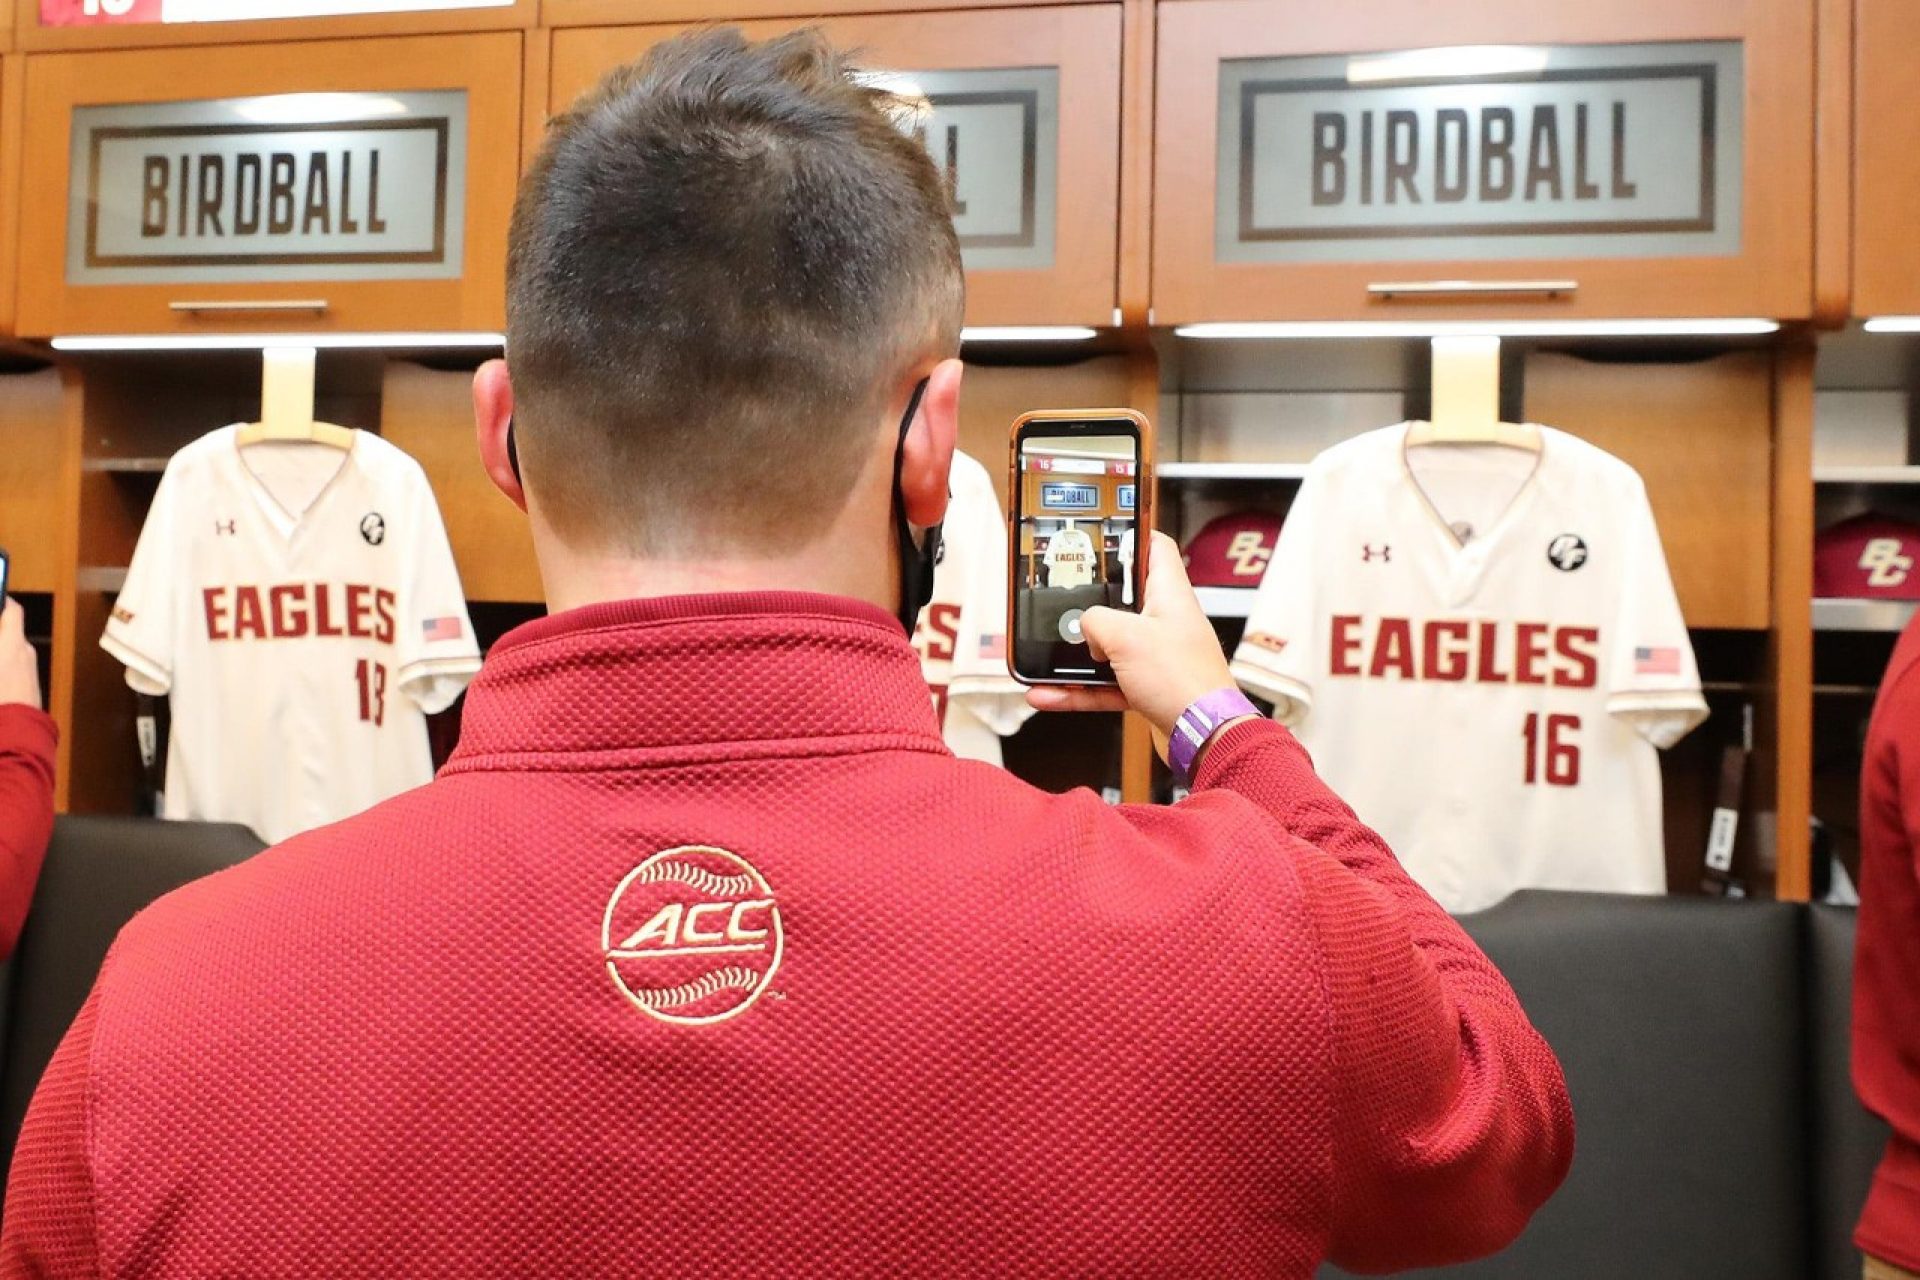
[1080,496]
[4,562]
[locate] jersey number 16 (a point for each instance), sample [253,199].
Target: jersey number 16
[1552,756]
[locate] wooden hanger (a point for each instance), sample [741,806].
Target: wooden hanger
[1466,399]
[286,402]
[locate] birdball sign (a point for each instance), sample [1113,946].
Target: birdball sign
[1615,151]
[301,186]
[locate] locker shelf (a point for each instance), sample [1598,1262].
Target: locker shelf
[1862,615]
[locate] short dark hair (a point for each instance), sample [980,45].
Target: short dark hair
[723,259]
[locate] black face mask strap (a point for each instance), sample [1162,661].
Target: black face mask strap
[916,558]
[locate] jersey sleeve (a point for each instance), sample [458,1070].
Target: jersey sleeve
[980,684]
[436,652]
[140,629]
[1652,681]
[1279,652]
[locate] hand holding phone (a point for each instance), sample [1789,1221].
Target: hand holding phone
[1082,489]
[1163,657]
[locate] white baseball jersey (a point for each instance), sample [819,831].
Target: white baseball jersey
[300,653]
[1486,692]
[1126,566]
[1069,558]
[962,634]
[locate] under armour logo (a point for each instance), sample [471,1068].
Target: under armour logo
[225,526]
[1368,554]
[1885,566]
[1249,554]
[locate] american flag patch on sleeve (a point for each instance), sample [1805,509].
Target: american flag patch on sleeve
[1656,662]
[994,646]
[447,628]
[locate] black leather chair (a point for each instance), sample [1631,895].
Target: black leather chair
[1705,1048]
[1678,1023]
[98,874]
[1846,1140]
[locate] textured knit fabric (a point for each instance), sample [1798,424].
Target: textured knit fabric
[27,742]
[1003,1032]
[1886,977]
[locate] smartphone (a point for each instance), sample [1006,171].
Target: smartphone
[5,560]
[1082,497]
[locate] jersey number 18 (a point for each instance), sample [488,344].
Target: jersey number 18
[372,678]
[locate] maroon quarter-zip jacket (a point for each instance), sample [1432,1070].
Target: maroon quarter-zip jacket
[704,957]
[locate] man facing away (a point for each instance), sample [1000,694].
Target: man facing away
[703,956]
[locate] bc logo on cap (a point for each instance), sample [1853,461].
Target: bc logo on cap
[692,935]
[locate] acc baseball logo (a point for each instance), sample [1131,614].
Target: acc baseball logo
[692,935]
[1884,563]
[1567,552]
[373,527]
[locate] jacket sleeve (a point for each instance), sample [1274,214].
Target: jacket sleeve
[1451,1122]
[27,741]
[49,1225]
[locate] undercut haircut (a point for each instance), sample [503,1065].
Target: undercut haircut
[722,262]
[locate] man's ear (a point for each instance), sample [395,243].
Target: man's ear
[928,452]
[492,419]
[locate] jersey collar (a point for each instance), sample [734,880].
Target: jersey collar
[697,678]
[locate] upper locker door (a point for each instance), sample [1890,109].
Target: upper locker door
[1023,115]
[336,185]
[1406,160]
[1886,160]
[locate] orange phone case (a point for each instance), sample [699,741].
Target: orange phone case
[1143,509]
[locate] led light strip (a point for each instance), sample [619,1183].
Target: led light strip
[260,341]
[1733,327]
[1892,324]
[1027,333]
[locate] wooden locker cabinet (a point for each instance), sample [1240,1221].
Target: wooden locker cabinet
[486,66]
[109,34]
[1886,163]
[1080,41]
[13,81]
[1768,274]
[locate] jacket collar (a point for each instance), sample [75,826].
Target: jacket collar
[684,679]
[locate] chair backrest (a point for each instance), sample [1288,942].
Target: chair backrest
[1680,1024]
[1847,1140]
[99,873]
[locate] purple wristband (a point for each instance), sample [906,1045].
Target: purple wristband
[1197,723]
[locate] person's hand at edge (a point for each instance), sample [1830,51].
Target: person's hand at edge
[1164,657]
[19,665]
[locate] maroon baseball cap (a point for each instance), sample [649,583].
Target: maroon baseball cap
[1868,557]
[1233,550]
